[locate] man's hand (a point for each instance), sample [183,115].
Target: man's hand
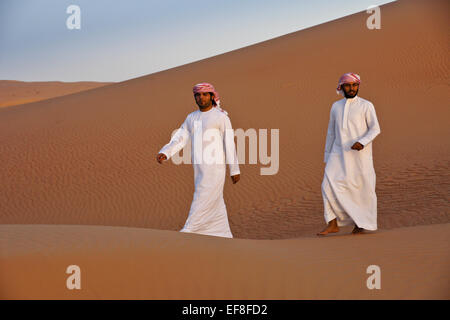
[235,178]
[161,157]
[357,146]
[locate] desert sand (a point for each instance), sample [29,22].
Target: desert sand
[137,263]
[80,184]
[20,92]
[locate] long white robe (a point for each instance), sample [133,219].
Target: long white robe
[208,213]
[348,187]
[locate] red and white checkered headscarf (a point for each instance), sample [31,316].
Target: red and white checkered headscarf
[207,87]
[347,78]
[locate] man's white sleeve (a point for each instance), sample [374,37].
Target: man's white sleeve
[372,125]
[330,136]
[177,142]
[230,149]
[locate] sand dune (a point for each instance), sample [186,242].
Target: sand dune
[136,263]
[19,92]
[88,159]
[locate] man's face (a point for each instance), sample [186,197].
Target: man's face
[203,99]
[350,89]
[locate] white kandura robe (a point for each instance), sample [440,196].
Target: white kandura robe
[208,213]
[348,187]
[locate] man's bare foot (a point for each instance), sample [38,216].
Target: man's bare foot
[331,228]
[357,230]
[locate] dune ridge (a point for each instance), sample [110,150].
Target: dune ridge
[14,92]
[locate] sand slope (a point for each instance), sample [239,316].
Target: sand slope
[88,158]
[134,263]
[19,92]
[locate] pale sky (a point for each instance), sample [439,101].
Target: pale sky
[121,40]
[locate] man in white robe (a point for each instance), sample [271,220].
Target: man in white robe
[212,143]
[348,187]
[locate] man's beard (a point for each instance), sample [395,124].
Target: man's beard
[351,95]
[206,105]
